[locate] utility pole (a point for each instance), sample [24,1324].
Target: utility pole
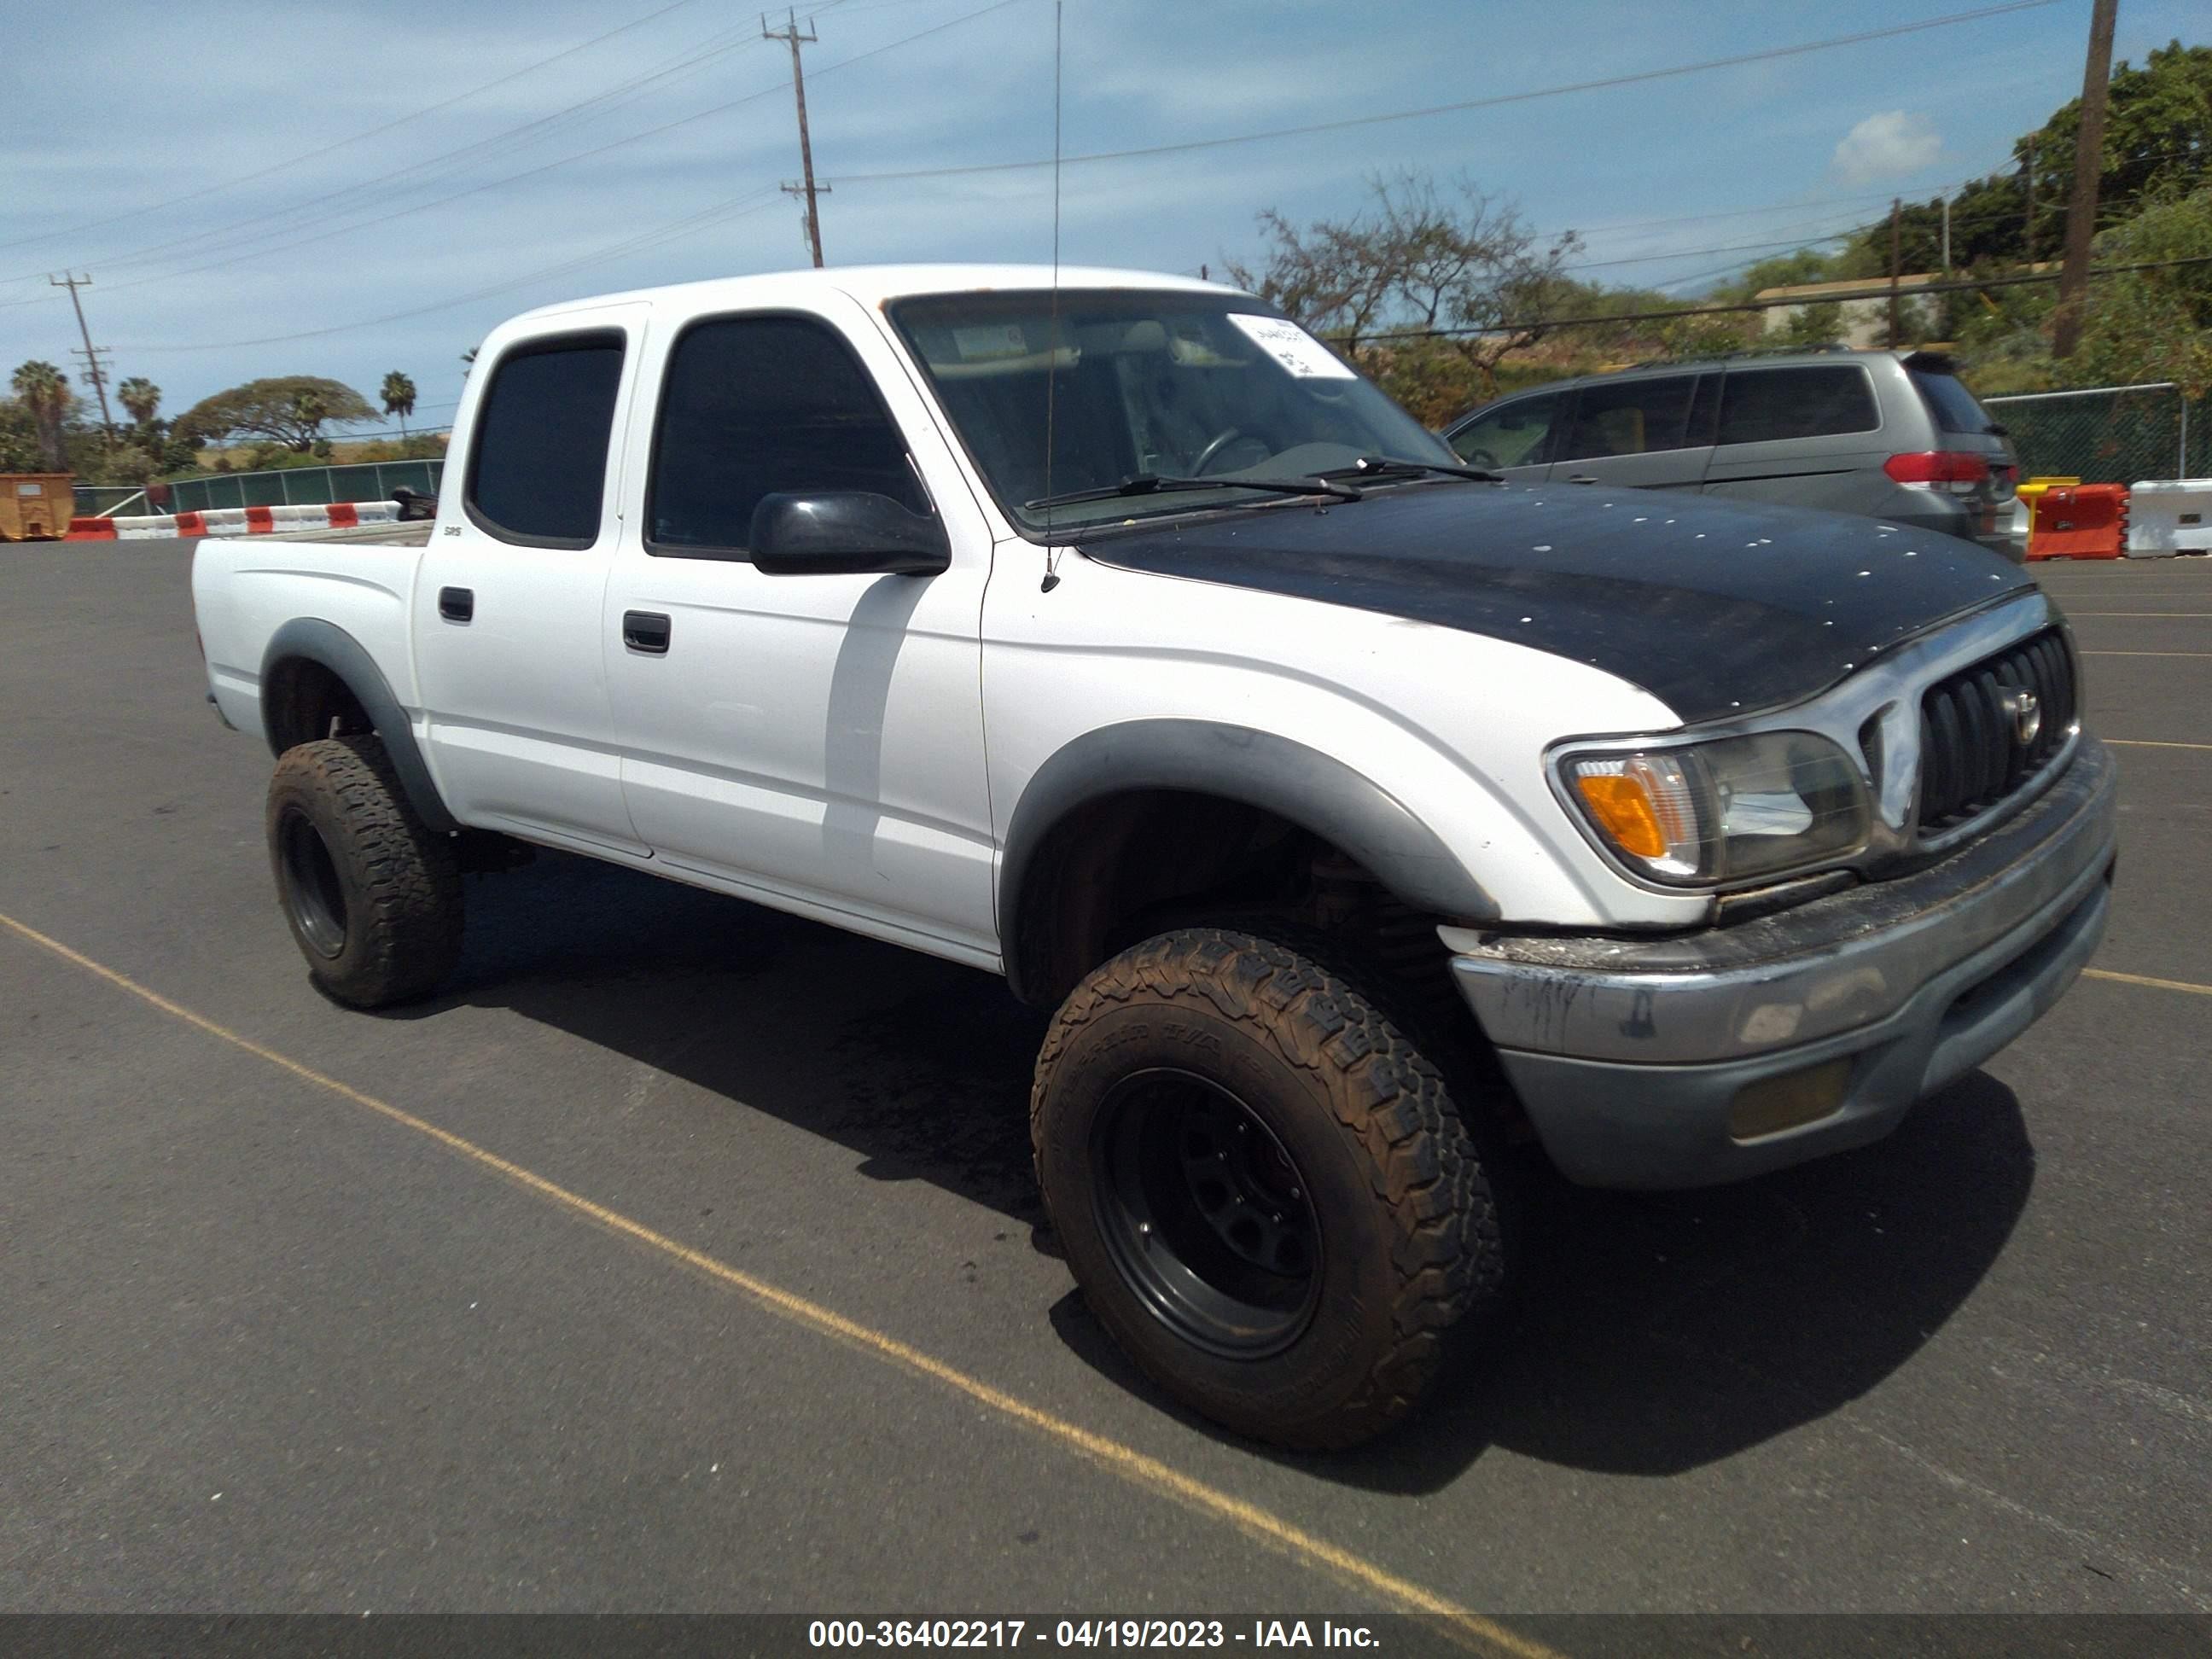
[1947,235]
[1896,216]
[790,34]
[94,370]
[2027,210]
[2089,168]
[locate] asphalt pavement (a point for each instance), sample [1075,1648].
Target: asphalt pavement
[686,1256]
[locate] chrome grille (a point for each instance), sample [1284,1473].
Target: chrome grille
[1972,755]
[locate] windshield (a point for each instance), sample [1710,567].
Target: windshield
[1180,385]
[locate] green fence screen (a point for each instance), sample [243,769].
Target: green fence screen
[302,486]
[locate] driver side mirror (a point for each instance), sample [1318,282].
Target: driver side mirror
[845,532]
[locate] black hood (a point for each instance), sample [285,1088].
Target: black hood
[1714,608]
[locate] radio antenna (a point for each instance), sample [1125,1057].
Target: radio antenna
[1052,334]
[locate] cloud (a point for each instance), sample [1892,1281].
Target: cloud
[1887,146]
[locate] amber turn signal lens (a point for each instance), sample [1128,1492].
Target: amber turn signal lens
[1775,1103]
[1625,810]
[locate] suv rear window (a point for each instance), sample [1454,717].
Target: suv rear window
[1952,405]
[1761,405]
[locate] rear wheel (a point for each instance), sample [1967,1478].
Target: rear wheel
[1266,1193]
[372,895]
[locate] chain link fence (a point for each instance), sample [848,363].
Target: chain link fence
[2109,434]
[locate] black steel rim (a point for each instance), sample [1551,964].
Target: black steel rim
[1207,1217]
[312,892]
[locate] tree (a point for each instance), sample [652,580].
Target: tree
[290,410]
[1432,292]
[44,392]
[2152,324]
[399,394]
[1819,324]
[140,398]
[20,447]
[2158,142]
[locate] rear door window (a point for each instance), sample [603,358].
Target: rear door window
[1629,417]
[538,465]
[1765,405]
[1515,433]
[1952,405]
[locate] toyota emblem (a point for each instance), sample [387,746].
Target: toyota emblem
[2025,712]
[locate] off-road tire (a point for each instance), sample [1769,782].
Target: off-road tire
[389,898]
[1408,1225]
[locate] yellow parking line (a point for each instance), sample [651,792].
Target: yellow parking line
[2154,984]
[2153,742]
[1261,1524]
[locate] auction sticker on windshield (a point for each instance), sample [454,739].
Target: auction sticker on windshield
[1292,347]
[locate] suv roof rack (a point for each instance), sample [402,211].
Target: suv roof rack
[1748,351]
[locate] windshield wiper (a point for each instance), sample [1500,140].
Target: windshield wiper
[1368,465]
[1153,483]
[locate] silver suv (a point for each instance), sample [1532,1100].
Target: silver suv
[1889,434]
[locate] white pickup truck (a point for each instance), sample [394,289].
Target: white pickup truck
[1362,820]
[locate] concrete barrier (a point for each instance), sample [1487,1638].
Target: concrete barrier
[233,521]
[2167,516]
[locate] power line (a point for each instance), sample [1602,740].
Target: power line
[340,143]
[1873,289]
[692,58]
[548,166]
[1993,213]
[735,207]
[1461,107]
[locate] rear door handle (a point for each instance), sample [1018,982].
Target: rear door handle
[646,631]
[456,604]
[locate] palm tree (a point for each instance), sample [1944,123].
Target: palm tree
[398,393]
[45,392]
[140,397]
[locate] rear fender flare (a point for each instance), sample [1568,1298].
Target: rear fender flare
[310,639]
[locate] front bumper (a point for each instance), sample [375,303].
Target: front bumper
[1630,1055]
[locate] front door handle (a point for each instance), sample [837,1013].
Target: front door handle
[456,604]
[1580,477]
[646,631]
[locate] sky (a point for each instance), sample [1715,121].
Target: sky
[344,189]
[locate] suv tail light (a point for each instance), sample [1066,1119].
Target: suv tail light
[1960,470]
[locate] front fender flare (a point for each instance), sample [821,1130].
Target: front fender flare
[1318,792]
[310,639]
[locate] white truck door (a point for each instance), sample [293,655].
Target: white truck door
[509,604]
[815,741]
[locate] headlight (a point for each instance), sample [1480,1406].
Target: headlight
[1722,812]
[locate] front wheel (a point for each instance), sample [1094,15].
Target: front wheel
[1265,1191]
[372,895]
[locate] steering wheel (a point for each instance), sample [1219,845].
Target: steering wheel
[1481,458]
[1215,445]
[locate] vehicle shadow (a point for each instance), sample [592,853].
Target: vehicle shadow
[1653,1333]
[920,1065]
